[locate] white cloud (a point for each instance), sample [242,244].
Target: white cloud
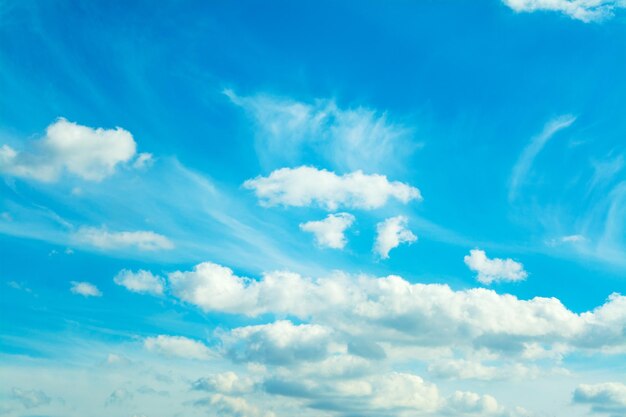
[307,186]
[390,310]
[178,346]
[104,239]
[224,383]
[569,239]
[330,232]
[85,289]
[608,397]
[525,161]
[213,287]
[91,154]
[348,139]
[227,405]
[279,343]
[390,234]
[30,398]
[583,10]
[140,282]
[494,270]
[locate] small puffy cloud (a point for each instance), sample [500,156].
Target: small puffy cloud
[608,397]
[178,346]
[329,233]
[85,289]
[390,234]
[30,398]
[103,239]
[583,10]
[494,270]
[308,186]
[143,282]
[88,153]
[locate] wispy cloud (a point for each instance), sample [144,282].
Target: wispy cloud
[583,10]
[348,139]
[525,161]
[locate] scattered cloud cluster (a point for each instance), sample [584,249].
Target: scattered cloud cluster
[583,10]
[308,186]
[494,270]
[30,398]
[390,309]
[88,153]
[606,398]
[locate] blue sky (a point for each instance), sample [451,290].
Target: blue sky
[308,208]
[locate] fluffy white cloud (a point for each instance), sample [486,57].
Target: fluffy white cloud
[348,139]
[224,383]
[330,232]
[390,233]
[494,270]
[392,310]
[608,397]
[104,239]
[85,289]
[140,282]
[178,346]
[227,405]
[280,342]
[584,10]
[91,154]
[307,186]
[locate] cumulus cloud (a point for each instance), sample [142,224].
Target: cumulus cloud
[279,343]
[308,186]
[85,289]
[392,310]
[30,398]
[608,397]
[178,346]
[348,139]
[140,282]
[227,405]
[330,232]
[583,10]
[494,270]
[225,383]
[88,153]
[390,234]
[104,239]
